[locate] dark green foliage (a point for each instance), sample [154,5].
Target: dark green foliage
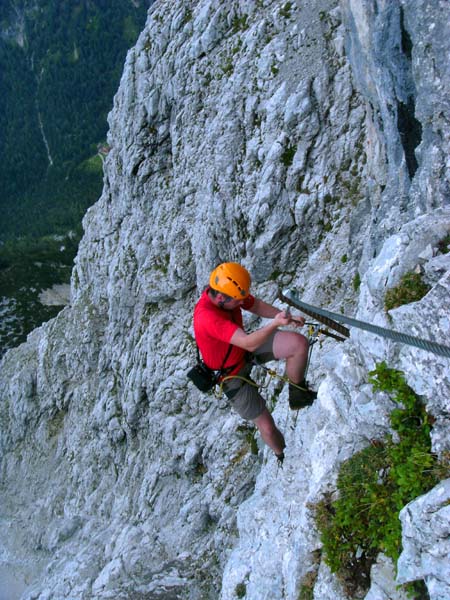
[63,74]
[375,484]
[410,289]
[60,65]
[287,157]
[443,245]
[285,10]
[56,204]
[356,282]
[32,263]
[28,266]
[239,23]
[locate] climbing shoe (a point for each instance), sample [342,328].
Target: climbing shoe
[301,396]
[280,459]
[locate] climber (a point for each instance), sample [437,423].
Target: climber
[223,344]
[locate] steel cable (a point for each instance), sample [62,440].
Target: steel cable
[292,298]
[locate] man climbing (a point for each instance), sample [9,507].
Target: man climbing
[225,346]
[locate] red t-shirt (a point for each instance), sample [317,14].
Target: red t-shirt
[213,329]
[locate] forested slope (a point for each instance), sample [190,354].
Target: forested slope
[60,65]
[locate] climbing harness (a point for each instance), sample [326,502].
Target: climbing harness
[204,378]
[269,371]
[334,320]
[314,333]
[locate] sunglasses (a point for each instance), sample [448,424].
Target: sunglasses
[227,299]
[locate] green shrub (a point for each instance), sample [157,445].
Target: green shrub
[356,282]
[375,484]
[410,289]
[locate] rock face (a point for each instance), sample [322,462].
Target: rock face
[426,540]
[57,295]
[309,141]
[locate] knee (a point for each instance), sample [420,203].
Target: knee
[302,343]
[289,343]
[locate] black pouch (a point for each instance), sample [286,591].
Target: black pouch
[202,377]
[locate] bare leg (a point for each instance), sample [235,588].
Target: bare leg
[294,348]
[269,432]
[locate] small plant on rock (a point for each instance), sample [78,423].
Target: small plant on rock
[375,484]
[239,23]
[410,289]
[356,282]
[287,158]
[285,11]
[444,244]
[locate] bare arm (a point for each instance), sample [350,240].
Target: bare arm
[251,341]
[262,309]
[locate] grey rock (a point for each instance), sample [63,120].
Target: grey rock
[383,585]
[426,541]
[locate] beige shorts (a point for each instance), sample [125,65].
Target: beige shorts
[244,397]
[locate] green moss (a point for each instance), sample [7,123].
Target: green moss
[275,275]
[228,67]
[443,245]
[410,289]
[200,469]
[287,157]
[250,438]
[240,590]
[187,17]
[285,10]
[308,582]
[239,23]
[92,165]
[329,199]
[356,282]
[306,593]
[56,423]
[237,47]
[375,484]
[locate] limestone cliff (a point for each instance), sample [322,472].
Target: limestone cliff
[310,141]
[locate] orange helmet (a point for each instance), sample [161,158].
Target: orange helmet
[231,279]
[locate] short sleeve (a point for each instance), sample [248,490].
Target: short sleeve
[248,302]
